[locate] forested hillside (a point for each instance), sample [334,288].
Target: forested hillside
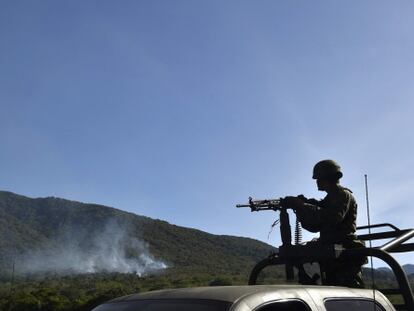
[68,255]
[28,225]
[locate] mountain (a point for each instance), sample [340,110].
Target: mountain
[57,235]
[409,269]
[387,273]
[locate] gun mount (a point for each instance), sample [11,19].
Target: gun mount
[296,255]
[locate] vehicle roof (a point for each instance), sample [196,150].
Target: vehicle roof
[233,293]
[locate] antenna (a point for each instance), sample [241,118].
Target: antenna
[370,240]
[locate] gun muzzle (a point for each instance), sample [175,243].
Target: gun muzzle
[242,205]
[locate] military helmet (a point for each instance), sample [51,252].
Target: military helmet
[327,169]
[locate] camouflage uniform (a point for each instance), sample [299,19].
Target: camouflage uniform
[335,218]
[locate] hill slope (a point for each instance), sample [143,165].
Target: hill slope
[35,231]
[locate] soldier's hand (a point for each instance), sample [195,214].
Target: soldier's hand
[292,202]
[302,197]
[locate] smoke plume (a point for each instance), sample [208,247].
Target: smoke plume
[109,249]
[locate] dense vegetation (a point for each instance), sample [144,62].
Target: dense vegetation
[194,258]
[83,292]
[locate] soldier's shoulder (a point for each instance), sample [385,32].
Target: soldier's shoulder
[345,189]
[343,193]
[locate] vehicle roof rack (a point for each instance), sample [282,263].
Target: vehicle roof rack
[398,236]
[395,245]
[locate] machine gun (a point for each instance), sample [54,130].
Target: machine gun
[285,233]
[278,205]
[273,205]
[263,205]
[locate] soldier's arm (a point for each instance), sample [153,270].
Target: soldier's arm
[314,218]
[308,215]
[310,201]
[339,207]
[313,202]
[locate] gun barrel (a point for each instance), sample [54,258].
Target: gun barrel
[242,205]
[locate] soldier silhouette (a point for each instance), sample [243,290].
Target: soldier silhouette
[335,218]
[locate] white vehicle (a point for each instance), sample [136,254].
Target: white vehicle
[253,298]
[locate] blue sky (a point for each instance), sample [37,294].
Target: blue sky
[178,110]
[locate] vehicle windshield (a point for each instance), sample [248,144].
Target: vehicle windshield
[166,305]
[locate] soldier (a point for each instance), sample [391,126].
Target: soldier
[335,218]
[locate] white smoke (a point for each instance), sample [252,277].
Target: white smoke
[111,249]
